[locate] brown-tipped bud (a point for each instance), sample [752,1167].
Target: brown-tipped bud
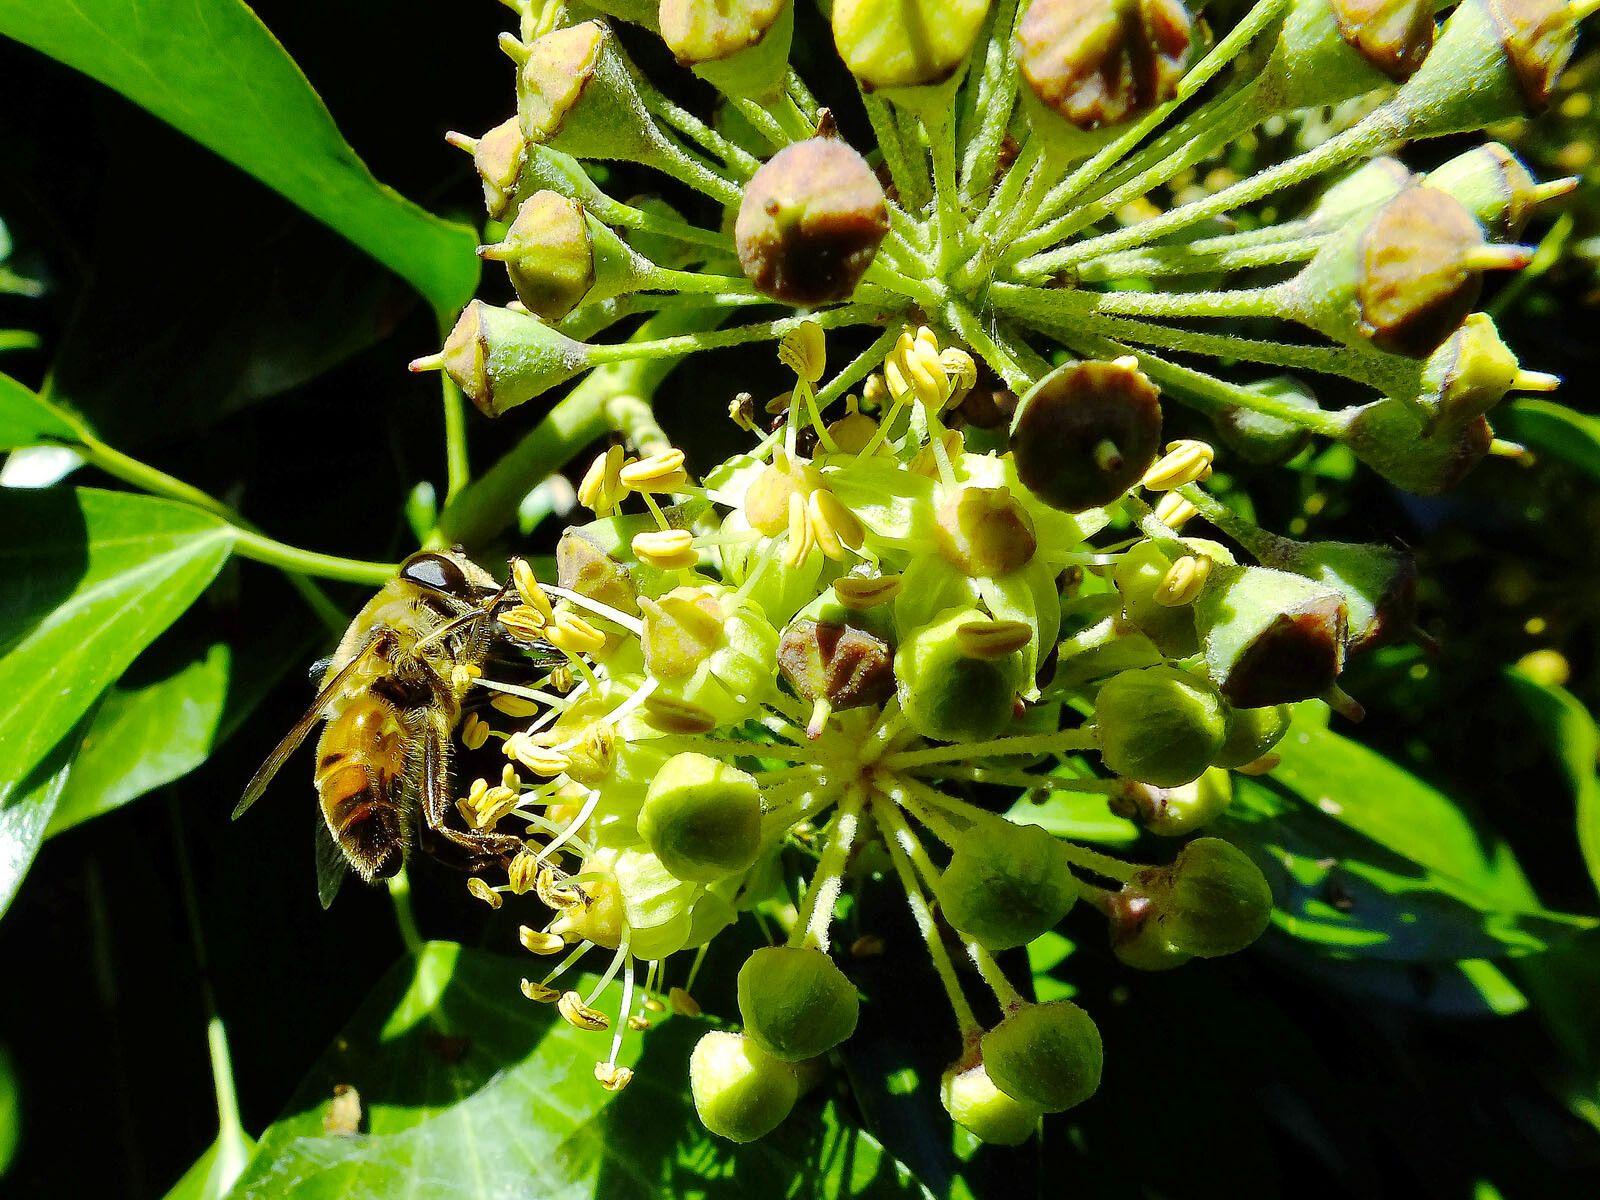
[1097,62]
[501,358]
[1388,436]
[906,43]
[1270,637]
[1538,37]
[841,664]
[498,156]
[810,223]
[1086,433]
[1392,35]
[1416,281]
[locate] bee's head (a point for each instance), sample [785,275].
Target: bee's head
[449,573]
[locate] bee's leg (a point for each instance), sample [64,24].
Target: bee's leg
[483,848]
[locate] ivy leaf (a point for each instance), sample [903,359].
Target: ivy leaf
[27,803]
[1570,731]
[211,1173]
[1363,790]
[1337,889]
[27,419]
[213,70]
[92,578]
[1554,429]
[470,1091]
[10,1111]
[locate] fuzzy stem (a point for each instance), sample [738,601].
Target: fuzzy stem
[681,344]
[816,912]
[995,97]
[910,183]
[1001,747]
[896,827]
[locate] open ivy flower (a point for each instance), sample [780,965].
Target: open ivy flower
[836,636]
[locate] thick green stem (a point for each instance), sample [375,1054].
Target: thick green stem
[309,562]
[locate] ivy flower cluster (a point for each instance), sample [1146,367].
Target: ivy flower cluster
[956,561]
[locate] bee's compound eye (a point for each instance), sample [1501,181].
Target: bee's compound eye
[435,572]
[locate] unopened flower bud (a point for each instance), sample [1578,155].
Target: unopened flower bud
[1098,62]
[1389,436]
[795,1002]
[994,1118]
[1261,438]
[1045,1054]
[949,696]
[985,532]
[1252,732]
[1270,637]
[1212,900]
[1175,811]
[1392,35]
[810,222]
[742,47]
[583,567]
[740,1091]
[498,156]
[1470,374]
[547,255]
[500,358]
[1006,884]
[1159,725]
[702,818]
[1086,433]
[906,43]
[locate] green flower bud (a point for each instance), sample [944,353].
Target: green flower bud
[702,818]
[1086,433]
[547,255]
[740,1091]
[1270,637]
[1495,187]
[1177,811]
[795,1003]
[906,43]
[600,919]
[682,629]
[1045,1054]
[1389,436]
[1318,59]
[949,695]
[1211,901]
[500,358]
[742,48]
[1099,62]
[1252,732]
[840,663]
[1392,35]
[994,1118]
[1159,725]
[1260,438]
[810,222]
[1371,184]
[984,532]
[1006,884]
[1470,374]
[575,92]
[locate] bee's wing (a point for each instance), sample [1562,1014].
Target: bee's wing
[292,739]
[331,864]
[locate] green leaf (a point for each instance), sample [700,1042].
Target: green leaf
[213,70]
[1363,790]
[1570,732]
[1338,889]
[471,1091]
[10,1111]
[26,419]
[26,805]
[1554,429]
[92,578]
[146,734]
[211,1173]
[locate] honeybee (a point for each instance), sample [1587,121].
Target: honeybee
[391,695]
